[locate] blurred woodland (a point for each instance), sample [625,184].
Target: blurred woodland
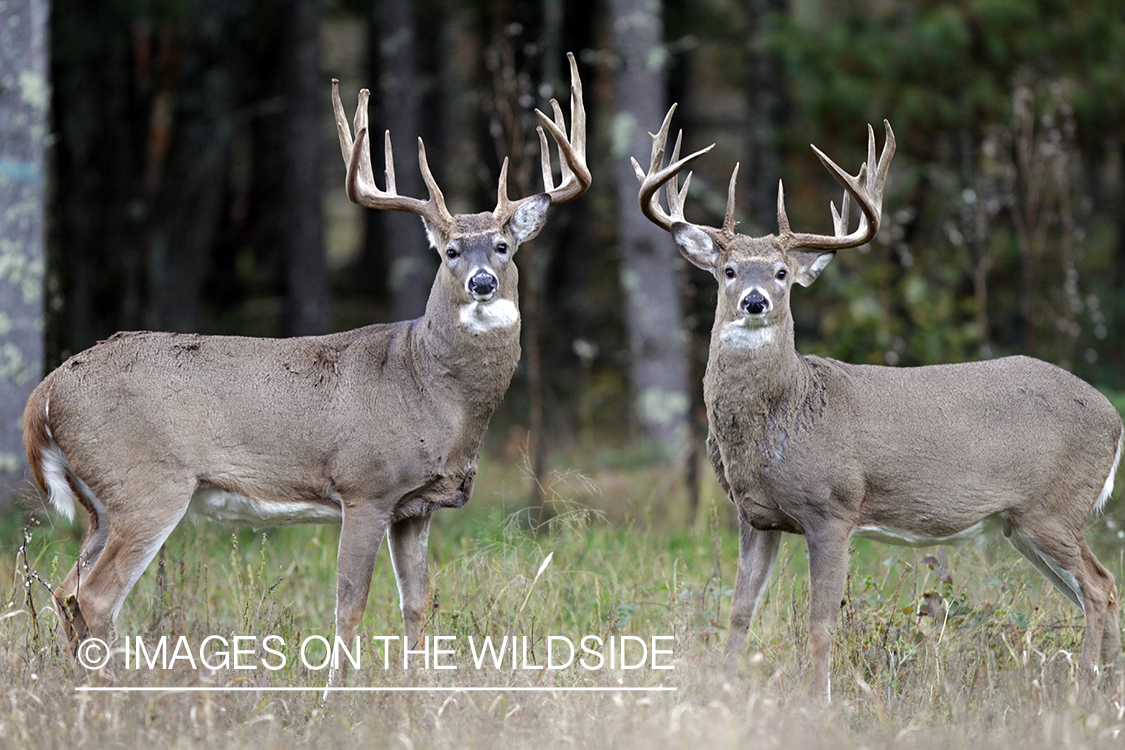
[190,180]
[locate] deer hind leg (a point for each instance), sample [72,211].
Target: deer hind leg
[65,596]
[1065,560]
[408,539]
[1111,656]
[131,544]
[757,555]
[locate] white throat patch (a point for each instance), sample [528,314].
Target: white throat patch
[485,316]
[741,334]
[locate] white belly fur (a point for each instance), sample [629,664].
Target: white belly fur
[221,505]
[914,539]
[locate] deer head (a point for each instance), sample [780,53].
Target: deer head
[475,249]
[755,274]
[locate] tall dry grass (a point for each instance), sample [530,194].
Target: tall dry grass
[957,648]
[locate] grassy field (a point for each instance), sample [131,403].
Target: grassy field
[936,648]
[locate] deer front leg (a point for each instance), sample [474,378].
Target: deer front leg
[828,570]
[757,555]
[407,540]
[361,532]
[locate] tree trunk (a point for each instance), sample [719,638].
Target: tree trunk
[459,50]
[768,108]
[96,164]
[24,100]
[307,273]
[411,262]
[649,260]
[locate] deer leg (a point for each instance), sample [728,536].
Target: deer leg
[1064,559]
[100,588]
[1111,656]
[407,540]
[66,605]
[361,532]
[1099,592]
[828,571]
[1105,651]
[757,555]
[65,596]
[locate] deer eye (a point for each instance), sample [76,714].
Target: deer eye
[502,248]
[729,272]
[781,274]
[451,252]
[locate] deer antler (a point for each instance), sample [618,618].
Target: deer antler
[361,185]
[572,152]
[867,189]
[657,176]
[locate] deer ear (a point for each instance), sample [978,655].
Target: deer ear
[695,245]
[433,234]
[530,217]
[810,264]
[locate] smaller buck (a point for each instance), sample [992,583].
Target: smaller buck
[912,456]
[373,428]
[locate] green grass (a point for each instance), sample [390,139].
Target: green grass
[988,661]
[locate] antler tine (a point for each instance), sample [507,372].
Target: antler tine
[437,199]
[560,123]
[728,221]
[840,218]
[675,195]
[577,109]
[866,187]
[572,150]
[503,203]
[389,163]
[545,161]
[884,164]
[366,174]
[342,129]
[656,177]
[360,183]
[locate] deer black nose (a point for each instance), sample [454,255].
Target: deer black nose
[754,303]
[483,284]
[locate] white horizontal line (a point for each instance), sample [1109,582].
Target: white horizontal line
[290,689]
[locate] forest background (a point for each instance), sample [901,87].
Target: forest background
[172,165]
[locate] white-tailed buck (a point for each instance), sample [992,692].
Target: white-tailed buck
[373,428]
[913,456]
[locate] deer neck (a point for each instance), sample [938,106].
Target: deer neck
[479,361]
[761,363]
[757,390]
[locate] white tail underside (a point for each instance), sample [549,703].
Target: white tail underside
[1107,488]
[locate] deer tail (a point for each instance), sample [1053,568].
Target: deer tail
[49,464]
[1107,489]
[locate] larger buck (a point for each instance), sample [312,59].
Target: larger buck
[831,450]
[373,428]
